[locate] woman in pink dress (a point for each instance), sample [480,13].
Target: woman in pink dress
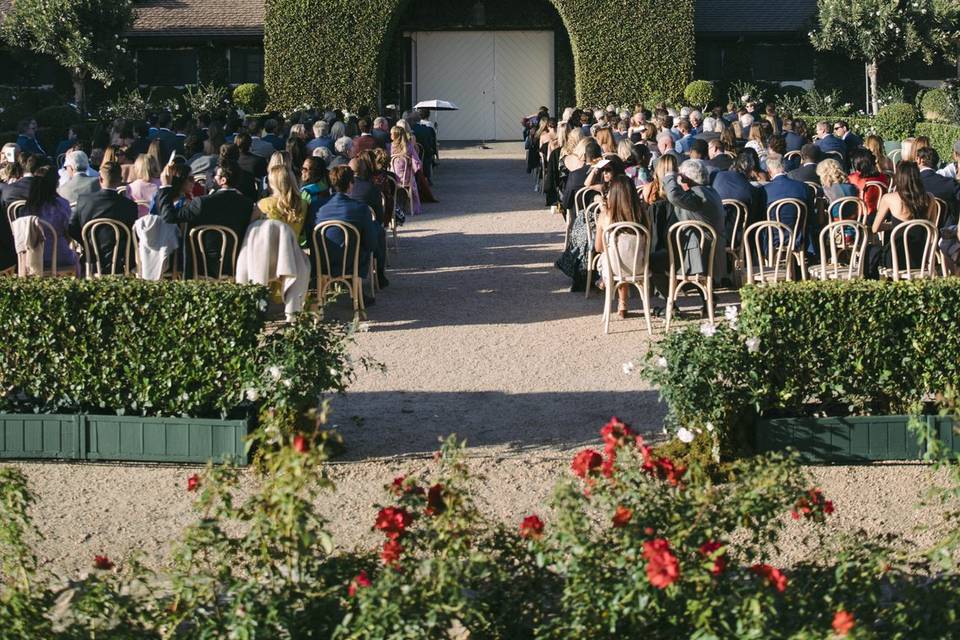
[404,163]
[145,185]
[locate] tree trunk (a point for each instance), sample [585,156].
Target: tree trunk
[79,90]
[873,97]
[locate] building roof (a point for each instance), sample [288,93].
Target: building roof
[750,17]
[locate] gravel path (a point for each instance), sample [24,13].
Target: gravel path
[479,337]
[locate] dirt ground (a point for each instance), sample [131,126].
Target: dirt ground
[480,337]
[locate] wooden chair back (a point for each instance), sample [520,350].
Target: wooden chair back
[940,211]
[678,242]
[848,208]
[228,246]
[740,212]
[766,244]
[49,235]
[836,239]
[122,241]
[871,186]
[13,209]
[636,261]
[901,235]
[775,212]
[790,155]
[584,197]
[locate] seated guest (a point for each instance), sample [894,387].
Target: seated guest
[636,158]
[865,170]
[667,146]
[842,130]
[343,208]
[203,162]
[20,189]
[381,131]
[698,151]
[735,184]
[938,186]
[910,201]
[363,190]
[270,135]
[782,187]
[258,146]
[777,145]
[577,179]
[383,178]
[950,171]
[365,141]
[807,171]
[247,184]
[252,163]
[44,203]
[320,138]
[874,144]
[105,204]
[297,150]
[225,207]
[718,158]
[791,135]
[686,137]
[315,189]
[833,179]
[27,137]
[828,142]
[146,181]
[78,182]
[619,205]
[343,152]
[284,202]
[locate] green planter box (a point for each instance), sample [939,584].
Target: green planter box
[843,440]
[122,438]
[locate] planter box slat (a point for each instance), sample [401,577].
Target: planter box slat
[122,438]
[855,439]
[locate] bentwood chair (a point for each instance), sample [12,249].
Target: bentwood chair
[775,212]
[116,235]
[843,251]
[13,209]
[590,214]
[220,253]
[348,264]
[49,236]
[736,211]
[900,248]
[374,284]
[679,238]
[629,267]
[876,187]
[395,187]
[767,253]
[848,208]
[581,199]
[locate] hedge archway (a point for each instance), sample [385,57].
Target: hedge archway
[329,52]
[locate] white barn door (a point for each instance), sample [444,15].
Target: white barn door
[495,77]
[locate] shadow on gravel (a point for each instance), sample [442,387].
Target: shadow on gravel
[383,424]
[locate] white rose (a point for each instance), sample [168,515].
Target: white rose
[753,345]
[708,329]
[253,395]
[709,426]
[662,362]
[685,435]
[274,372]
[628,368]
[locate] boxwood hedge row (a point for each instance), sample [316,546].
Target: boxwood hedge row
[331,52]
[124,345]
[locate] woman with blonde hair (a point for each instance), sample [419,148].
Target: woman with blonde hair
[146,181]
[281,159]
[835,185]
[285,202]
[403,165]
[570,157]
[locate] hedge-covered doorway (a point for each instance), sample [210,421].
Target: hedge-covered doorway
[336,53]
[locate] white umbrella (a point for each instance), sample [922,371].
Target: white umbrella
[436,105]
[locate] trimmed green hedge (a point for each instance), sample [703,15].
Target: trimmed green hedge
[296,74]
[108,345]
[942,137]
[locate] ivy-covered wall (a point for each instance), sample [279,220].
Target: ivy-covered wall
[332,52]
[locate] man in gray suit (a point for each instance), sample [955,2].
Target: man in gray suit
[694,199]
[78,182]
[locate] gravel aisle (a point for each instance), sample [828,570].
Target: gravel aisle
[479,337]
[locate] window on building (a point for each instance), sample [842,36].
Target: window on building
[246,65]
[167,67]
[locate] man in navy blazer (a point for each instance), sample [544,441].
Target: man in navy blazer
[842,130]
[343,208]
[829,142]
[939,186]
[782,187]
[794,140]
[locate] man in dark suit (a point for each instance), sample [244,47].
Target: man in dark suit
[20,189]
[830,143]
[381,131]
[365,141]
[105,204]
[794,140]
[716,151]
[250,162]
[807,171]
[939,186]
[226,207]
[782,187]
[169,142]
[270,135]
[343,208]
[842,130]
[427,137]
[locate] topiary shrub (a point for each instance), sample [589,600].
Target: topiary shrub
[934,105]
[58,118]
[896,121]
[699,93]
[250,98]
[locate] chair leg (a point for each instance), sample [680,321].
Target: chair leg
[607,289]
[671,300]
[586,292]
[644,289]
[359,309]
[709,299]
[373,277]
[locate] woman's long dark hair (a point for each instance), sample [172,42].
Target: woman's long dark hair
[863,162]
[911,190]
[622,202]
[746,163]
[43,189]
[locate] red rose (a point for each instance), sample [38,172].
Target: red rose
[773,576]
[391,553]
[828,507]
[435,503]
[606,469]
[615,434]
[622,517]
[586,462]
[401,486]
[709,549]
[103,563]
[531,527]
[193,482]
[843,622]
[300,444]
[393,521]
[663,569]
[648,531]
[359,581]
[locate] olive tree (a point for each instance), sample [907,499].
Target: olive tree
[876,31]
[84,36]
